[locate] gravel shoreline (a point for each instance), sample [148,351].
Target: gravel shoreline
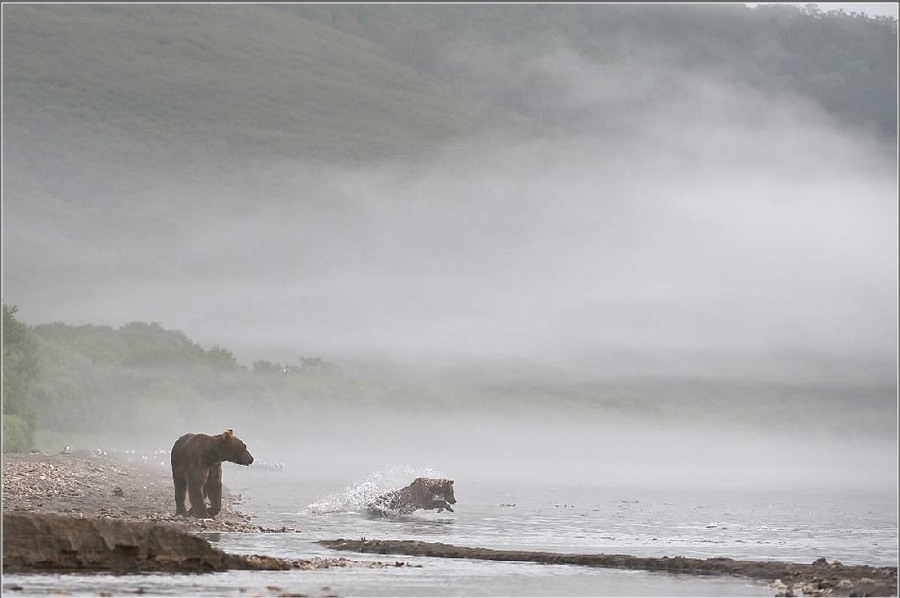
[115,513]
[126,487]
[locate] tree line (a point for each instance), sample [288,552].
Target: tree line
[846,62]
[96,379]
[20,371]
[142,378]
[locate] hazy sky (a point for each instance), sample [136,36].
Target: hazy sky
[872,9]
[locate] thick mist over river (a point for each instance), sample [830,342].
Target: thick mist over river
[533,452]
[720,236]
[672,267]
[692,227]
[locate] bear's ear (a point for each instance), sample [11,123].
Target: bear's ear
[228,432]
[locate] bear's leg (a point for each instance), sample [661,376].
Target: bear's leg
[180,491]
[213,489]
[195,492]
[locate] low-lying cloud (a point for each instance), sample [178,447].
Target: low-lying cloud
[692,226]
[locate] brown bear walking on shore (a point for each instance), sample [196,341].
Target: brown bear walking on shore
[197,469]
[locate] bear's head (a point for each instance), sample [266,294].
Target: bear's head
[445,489]
[232,448]
[437,488]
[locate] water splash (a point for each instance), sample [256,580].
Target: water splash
[360,493]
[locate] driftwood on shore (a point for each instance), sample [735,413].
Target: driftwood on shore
[818,578]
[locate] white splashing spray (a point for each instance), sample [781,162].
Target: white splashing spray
[360,493]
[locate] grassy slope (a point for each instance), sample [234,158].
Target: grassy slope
[149,82]
[190,85]
[101,101]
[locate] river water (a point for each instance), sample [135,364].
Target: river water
[742,524]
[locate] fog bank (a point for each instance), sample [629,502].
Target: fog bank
[694,227]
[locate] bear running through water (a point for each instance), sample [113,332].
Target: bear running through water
[423,493]
[197,469]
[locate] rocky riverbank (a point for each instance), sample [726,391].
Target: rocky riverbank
[123,487]
[96,511]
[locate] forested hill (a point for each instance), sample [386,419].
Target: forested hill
[133,117]
[165,84]
[847,63]
[185,84]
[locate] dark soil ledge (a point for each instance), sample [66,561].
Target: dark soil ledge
[40,543]
[819,578]
[44,542]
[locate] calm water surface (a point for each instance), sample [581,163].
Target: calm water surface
[795,526]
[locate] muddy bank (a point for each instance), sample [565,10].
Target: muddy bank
[34,542]
[43,542]
[787,579]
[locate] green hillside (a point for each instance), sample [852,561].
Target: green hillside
[184,84]
[846,63]
[92,91]
[166,83]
